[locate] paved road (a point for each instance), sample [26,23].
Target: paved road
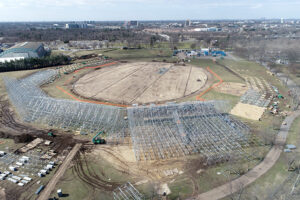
[59,173]
[270,159]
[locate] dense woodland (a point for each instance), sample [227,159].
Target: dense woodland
[32,34]
[35,63]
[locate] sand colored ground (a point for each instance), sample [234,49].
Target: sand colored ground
[236,89]
[122,157]
[141,82]
[248,111]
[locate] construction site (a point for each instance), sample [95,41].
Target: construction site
[134,129]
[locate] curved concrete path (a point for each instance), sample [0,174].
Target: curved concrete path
[245,180]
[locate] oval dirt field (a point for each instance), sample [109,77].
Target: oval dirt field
[141,82]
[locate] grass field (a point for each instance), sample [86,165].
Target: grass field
[265,185]
[253,69]
[9,145]
[76,189]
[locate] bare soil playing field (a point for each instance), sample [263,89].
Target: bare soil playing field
[141,82]
[248,111]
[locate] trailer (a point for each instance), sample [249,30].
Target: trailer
[21,184]
[24,181]
[38,191]
[19,163]
[27,178]
[12,180]
[16,178]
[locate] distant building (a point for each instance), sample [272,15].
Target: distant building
[188,23]
[72,26]
[83,25]
[282,20]
[22,51]
[131,24]
[134,23]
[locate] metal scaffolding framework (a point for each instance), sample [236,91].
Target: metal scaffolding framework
[34,106]
[127,192]
[254,97]
[174,130]
[157,132]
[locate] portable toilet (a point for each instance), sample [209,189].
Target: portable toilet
[41,174]
[44,171]
[25,158]
[2,153]
[51,163]
[49,167]
[59,193]
[7,172]
[2,176]
[12,168]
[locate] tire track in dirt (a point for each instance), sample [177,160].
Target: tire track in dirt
[187,82]
[150,85]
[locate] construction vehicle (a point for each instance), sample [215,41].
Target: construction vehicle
[50,134]
[98,140]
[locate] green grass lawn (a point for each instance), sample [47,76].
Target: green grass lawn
[219,70]
[76,189]
[181,188]
[9,144]
[278,173]
[254,69]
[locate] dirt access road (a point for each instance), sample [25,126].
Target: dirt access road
[245,180]
[60,172]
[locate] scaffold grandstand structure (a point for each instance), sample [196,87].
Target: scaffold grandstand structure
[34,106]
[174,130]
[156,131]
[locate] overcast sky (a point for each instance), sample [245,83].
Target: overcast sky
[102,10]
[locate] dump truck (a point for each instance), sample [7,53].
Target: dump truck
[98,140]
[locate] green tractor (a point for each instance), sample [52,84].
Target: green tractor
[98,140]
[50,134]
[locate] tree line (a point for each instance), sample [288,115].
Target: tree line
[18,35]
[34,63]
